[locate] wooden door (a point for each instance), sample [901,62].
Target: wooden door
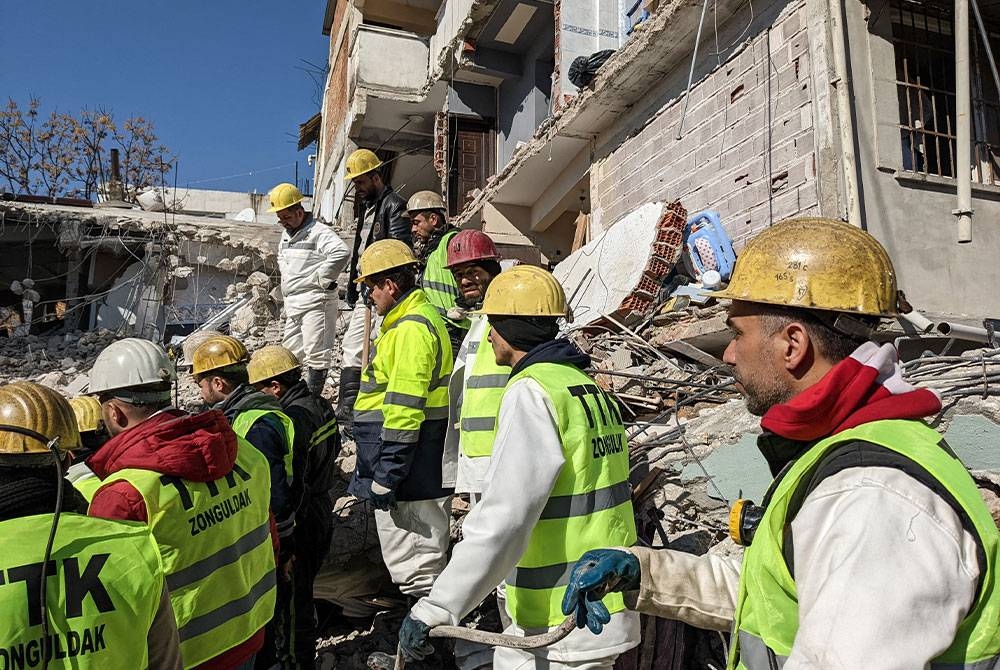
[471,159]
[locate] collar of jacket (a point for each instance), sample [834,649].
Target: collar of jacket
[407,303]
[303,230]
[559,350]
[434,241]
[376,202]
[247,397]
[296,391]
[779,451]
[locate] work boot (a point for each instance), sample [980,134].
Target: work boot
[350,384]
[315,381]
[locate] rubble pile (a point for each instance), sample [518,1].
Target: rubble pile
[59,361]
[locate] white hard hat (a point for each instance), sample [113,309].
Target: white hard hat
[132,363]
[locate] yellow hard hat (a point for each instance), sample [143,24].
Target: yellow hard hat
[815,263]
[524,290]
[271,361]
[384,255]
[218,352]
[38,410]
[87,409]
[284,196]
[422,201]
[360,162]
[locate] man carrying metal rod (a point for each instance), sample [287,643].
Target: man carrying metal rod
[382,219]
[872,547]
[557,487]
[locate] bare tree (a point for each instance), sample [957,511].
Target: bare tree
[65,153]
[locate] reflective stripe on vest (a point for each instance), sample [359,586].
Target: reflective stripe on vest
[400,393]
[104,586]
[481,399]
[590,504]
[217,552]
[767,611]
[437,281]
[247,418]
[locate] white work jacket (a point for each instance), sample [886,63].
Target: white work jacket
[496,532]
[884,571]
[310,260]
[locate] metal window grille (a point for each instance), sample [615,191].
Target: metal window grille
[925,83]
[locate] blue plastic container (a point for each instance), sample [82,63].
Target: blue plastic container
[705,240]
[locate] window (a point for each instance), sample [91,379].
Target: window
[924,47]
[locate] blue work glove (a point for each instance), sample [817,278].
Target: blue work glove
[413,639]
[598,573]
[383,498]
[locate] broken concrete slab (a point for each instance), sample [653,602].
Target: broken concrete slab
[620,272]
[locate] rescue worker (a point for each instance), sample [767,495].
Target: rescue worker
[127,621]
[219,365]
[477,382]
[92,435]
[382,219]
[310,258]
[202,491]
[276,371]
[557,487]
[431,235]
[400,419]
[872,547]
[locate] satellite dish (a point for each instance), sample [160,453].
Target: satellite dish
[247,214]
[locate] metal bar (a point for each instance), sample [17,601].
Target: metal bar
[963,131]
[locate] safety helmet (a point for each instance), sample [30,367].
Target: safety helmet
[87,410]
[471,245]
[422,201]
[284,196]
[40,411]
[524,290]
[193,341]
[215,353]
[382,256]
[269,362]
[815,263]
[131,363]
[360,162]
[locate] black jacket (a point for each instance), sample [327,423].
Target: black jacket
[268,436]
[389,224]
[313,458]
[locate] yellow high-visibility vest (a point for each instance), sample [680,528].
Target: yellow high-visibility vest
[102,593]
[590,505]
[215,538]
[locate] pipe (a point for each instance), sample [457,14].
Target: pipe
[963,123]
[917,320]
[962,332]
[846,121]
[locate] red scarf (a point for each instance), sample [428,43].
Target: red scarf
[867,386]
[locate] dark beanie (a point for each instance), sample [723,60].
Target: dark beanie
[524,333]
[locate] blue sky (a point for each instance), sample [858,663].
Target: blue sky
[218,78]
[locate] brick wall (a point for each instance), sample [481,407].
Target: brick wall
[336,95]
[721,160]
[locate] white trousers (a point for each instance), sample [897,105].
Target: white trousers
[310,334]
[354,337]
[522,659]
[414,539]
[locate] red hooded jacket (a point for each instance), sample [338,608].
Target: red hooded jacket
[199,448]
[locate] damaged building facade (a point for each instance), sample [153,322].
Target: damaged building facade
[794,108]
